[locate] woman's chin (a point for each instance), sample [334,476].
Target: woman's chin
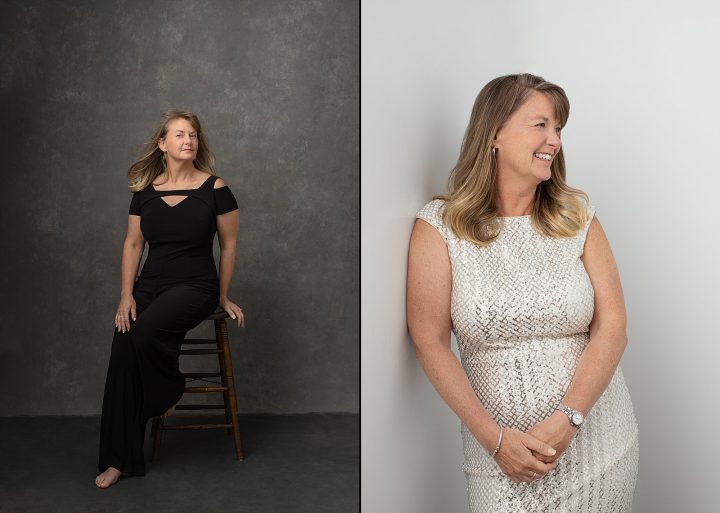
[543,176]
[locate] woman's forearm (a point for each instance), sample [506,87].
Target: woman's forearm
[595,368]
[227,264]
[132,253]
[449,379]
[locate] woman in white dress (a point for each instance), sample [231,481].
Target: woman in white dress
[514,262]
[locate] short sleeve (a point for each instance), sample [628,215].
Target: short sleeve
[135,205]
[224,200]
[432,213]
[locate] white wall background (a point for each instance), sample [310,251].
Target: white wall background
[643,140]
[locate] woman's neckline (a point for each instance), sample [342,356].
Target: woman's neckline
[174,190]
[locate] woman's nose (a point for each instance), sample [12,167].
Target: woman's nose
[554,139]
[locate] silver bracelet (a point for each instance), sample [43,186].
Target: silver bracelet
[497,449]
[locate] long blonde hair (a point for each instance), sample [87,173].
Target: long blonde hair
[470,208]
[151,163]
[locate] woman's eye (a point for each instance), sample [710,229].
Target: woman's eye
[540,124]
[558,129]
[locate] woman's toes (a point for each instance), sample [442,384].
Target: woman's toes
[105,482]
[107,478]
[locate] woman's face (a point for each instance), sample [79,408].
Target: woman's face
[529,140]
[181,140]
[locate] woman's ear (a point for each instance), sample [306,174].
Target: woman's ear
[498,133]
[161,144]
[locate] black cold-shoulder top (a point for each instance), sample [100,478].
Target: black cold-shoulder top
[180,237]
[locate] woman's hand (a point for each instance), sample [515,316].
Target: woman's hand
[516,456]
[124,311]
[233,310]
[555,430]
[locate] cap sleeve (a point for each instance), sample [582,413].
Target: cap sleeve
[135,205]
[224,200]
[583,233]
[432,213]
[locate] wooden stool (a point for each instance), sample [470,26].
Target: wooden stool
[226,386]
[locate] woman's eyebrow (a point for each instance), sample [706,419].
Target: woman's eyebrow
[542,118]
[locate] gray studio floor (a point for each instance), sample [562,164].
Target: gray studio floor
[298,463]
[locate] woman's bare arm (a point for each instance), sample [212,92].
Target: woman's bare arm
[132,253]
[429,286]
[608,336]
[227,228]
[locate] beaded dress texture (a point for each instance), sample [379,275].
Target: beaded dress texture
[521,308]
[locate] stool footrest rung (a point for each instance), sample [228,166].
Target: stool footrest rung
[200,351]
[200,407]
[202,374]
[204,390]
[200,341]
[197,426]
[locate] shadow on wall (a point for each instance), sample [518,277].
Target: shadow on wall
[434,443]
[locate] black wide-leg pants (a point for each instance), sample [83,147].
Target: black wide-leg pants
[143,378]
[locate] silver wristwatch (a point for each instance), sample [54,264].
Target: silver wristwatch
[576,417]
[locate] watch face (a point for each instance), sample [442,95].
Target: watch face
[577,418]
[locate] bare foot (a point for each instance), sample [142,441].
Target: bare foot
[108,478]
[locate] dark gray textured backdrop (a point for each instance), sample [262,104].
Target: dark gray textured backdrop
[275,84]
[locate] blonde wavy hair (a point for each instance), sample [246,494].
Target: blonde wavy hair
[470,208]
[152,164]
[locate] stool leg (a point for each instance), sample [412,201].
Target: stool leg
[157,429]
[221,335]
[223,376]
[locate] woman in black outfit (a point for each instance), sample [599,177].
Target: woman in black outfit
[177,206]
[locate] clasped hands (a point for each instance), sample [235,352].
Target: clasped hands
[525,457]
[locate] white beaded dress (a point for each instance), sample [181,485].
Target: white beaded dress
[521,307]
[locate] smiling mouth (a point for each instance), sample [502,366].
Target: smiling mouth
[543,156]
